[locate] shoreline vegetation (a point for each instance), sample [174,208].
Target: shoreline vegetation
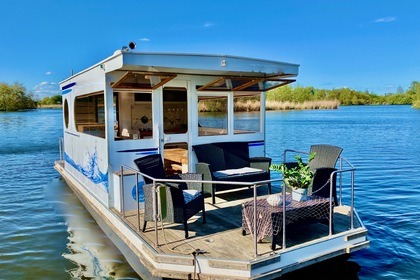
[15,97]
[270,105]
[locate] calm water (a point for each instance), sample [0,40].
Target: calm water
[45,233]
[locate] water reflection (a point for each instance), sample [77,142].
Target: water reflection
[90,251]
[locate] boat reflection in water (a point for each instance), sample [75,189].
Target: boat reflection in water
[89,249]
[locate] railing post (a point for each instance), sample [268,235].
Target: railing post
[155,212]
[283,187]
[255,222]
[122,191]
[137,201]
[352,201]
[60,147]
[341,181]
[331,204]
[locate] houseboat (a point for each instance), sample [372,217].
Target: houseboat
[132,105]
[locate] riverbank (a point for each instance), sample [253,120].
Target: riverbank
[254,105]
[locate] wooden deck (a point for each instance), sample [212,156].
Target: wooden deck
[221,236]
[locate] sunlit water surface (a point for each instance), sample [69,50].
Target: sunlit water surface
[45,232]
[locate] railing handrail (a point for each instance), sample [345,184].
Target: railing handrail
[254,185]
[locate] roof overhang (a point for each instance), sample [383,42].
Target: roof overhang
[232,73]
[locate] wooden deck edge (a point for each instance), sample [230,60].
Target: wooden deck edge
[225,264]
[174,259]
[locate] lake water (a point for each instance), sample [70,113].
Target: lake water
[45,233]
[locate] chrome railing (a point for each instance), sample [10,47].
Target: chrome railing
[61,147]
[254,185]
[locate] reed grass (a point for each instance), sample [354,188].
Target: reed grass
[254,105]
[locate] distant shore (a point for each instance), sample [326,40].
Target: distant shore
[55,106]
[251,105]
[254,105]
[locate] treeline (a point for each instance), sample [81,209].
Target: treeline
[50,101]
[15,97]
[346,96]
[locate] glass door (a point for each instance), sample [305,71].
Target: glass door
[175,129]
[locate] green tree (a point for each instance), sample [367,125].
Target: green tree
[53,100]
[15,97]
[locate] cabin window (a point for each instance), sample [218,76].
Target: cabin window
[247,113]
[133,115]
[89,113]
[66,113]
[212,115]
[175,116]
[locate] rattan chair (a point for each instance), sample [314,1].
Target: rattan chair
[326,156]
[177,205]
[324,185]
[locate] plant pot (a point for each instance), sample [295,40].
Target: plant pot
[300,194]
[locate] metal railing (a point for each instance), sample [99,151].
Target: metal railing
[61,147]
[254,185]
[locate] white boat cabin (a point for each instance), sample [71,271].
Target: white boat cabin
[133,104]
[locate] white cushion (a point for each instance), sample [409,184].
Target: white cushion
[190,195]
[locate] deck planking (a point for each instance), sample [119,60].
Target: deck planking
[221,236]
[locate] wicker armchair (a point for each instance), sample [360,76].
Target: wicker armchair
[177,204]
[326,156]
[323,183]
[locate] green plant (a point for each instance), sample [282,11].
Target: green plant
[299,176]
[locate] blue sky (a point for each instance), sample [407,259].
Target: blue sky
[360,44]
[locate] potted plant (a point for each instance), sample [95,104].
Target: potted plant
[298,178]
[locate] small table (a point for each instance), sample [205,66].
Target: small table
[270,218]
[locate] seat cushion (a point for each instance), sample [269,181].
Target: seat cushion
[236,172]
[190,195]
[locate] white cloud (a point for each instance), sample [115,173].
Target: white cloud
[49,73]
[385,19]
[145,40]
[208,24]
[44,89]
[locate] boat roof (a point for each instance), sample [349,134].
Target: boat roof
[194,64]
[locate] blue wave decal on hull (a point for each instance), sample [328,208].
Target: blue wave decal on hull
[91,170]
[140,191]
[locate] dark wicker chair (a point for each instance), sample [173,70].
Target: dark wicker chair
[177,209]
[322,165]
[321,183]
[321,186]
[326,156]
